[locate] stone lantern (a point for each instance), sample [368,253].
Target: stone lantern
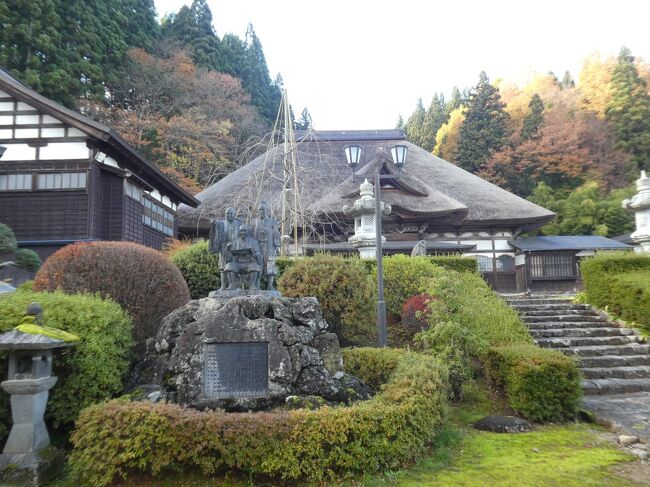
[29,380]
[640,205]
[363,211]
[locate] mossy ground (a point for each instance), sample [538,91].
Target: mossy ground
[576,454]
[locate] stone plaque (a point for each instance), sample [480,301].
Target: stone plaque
[234,370]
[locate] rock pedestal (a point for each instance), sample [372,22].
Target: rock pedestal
[640,205]
[248,353]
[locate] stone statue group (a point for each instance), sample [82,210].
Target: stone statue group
[246,252]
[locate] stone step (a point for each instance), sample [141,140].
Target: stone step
[601,331]
[614,386]
[539,325]
[601,350]
[627,372]
[586,341]
[554,307]
[615,361]
[520,302]
[558,312]
[546,318]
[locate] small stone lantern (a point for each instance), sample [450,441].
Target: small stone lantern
[640,205]
[30,378]
[363,211]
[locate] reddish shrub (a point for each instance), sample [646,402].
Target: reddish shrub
[146,284]
[414,319]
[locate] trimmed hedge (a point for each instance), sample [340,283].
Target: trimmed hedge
[373,365]
[199,267]
[118,439]
[470,321]
[540,384]
[344,290]
[28,259]
[455,263]
[620,282]
[92,370]
[405,277]
[140,279]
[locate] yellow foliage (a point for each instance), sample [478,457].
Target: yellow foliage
[448,135]
[596,84]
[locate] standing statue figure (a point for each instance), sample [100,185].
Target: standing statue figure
[245,265]
[267,233]
[223,232]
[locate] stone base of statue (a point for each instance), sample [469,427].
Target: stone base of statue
[236,293]
[31,469]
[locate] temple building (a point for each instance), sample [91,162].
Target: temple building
[65,178]
[431,199]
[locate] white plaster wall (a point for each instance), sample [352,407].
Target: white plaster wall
[65,150]
[19,152]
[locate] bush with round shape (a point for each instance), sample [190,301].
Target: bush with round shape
[405,277]
[395,427]
[8,242]
[28,259]
[94,368]
[344,290]
[145,283]
[199,267]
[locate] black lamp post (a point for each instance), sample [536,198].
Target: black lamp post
[353,155]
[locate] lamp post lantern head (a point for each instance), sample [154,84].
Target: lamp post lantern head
[398,152]
[2,150]
[353,155]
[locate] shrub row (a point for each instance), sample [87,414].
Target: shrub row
[117,439]
[471,321]
[138,278]
[373,365]
[620,282]
[90,371]
[540,384]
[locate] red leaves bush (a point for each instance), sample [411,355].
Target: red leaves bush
[146,284]
[414,319]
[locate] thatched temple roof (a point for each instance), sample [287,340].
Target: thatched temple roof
[430,193]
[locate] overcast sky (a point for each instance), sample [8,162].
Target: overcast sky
[359,64]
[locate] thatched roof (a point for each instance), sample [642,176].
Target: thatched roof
[429,191]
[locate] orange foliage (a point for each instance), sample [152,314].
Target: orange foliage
[140,279]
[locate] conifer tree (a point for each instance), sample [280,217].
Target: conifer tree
[414,124]
[434,118]
[484,130]
[534,118]
[400,122]
[455,101]
[304,122]
[567,80]
[628,112]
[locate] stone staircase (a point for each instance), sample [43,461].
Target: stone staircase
[613,360]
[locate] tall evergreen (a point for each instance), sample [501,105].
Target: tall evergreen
[534,119]
[414,124]
[484,130]
[67,49]
[435,116]
[304,122]
[567,80]
[628,112]
[400,122]
[455,101]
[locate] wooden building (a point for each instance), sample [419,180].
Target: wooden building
[65,178]
[551,263]
[431,199]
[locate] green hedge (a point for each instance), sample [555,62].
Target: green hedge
[540,384]
[373,365]
[199,267]
[344,290]
[118,439]
[93,369]
[619,282]
[455,263]
[28,259]
[405,277]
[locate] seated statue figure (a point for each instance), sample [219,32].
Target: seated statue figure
[245,265]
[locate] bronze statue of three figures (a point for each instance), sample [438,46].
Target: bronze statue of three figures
[246,252]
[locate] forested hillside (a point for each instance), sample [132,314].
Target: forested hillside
[190,100]
[572,147]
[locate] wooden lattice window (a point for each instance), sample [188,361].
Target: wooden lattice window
[552,266]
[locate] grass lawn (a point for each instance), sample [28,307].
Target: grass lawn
[568,455]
